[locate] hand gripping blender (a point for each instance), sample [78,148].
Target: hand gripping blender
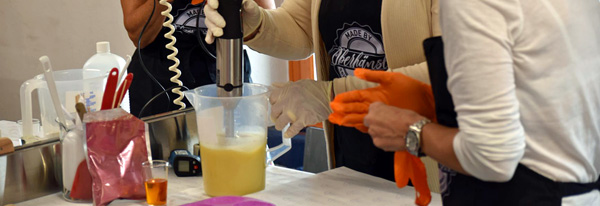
[229,60]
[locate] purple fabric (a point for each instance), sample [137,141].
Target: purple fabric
[230,201]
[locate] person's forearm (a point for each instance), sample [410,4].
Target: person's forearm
[287,31]
[415,71]
[350,83]
[436,142]
[265,4]
[135,16]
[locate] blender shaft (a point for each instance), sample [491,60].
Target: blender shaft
[229,62]
[229,67]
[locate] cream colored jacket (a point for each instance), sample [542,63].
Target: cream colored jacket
[292,32]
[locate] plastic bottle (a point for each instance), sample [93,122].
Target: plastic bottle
[102,61]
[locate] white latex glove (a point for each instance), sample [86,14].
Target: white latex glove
[251,18]
[301,103]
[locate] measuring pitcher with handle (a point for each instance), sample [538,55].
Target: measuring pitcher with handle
[69,84]
[233,135]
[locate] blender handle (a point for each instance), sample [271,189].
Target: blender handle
[285,146]
[26,105]
[231,12]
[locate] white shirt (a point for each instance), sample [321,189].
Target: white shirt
[525,80]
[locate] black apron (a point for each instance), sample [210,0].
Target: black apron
[525,188]
[197,67]
[351,33]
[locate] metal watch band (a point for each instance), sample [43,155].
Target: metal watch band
[417,129]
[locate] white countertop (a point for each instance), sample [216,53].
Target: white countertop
[340,186]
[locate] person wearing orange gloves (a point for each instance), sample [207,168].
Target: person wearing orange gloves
[525,83]
[351,108]
[342,35]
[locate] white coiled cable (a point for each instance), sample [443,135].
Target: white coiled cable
[172,56]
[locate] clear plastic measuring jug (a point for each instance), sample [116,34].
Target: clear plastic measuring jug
[234,165]
[69,85]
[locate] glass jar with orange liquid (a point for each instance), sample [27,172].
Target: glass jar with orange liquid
[155,180]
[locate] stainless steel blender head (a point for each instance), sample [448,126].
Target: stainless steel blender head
[229,67]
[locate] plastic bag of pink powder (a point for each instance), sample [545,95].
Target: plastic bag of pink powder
[116,148]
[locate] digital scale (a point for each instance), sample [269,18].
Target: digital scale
[184,163]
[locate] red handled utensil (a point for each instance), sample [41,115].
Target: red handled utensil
[120,94]
[82,184]
[110,89]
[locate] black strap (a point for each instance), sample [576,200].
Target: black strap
[444,106]
[564,189]
[569,189]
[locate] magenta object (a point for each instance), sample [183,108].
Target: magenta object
[116,148]
[230,201]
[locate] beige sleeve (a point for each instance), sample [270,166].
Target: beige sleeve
[417,71]
[284,32]
[435,18]
[349,83]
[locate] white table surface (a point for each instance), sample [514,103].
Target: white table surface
[340,186]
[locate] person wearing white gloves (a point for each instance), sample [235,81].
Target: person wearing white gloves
[343,35]
[149,61]
[525,81]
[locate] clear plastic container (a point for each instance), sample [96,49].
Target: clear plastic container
[101,63]
[69,84]
[233,163]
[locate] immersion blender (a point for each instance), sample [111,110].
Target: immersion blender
[229,60]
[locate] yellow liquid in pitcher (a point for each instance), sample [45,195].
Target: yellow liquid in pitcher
[234,168]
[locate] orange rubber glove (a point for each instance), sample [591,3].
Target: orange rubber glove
[407,166]
[196,2]
[395,89]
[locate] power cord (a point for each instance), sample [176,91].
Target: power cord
[139,50]
[200,39]
[157,95]
[172,56]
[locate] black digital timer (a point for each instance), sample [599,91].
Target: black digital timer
[185,164]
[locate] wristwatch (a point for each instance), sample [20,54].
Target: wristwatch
[413,137]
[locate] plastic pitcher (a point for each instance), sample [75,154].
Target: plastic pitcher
[69,84]
[234,165]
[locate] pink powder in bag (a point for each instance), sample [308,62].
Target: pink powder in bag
[116,148]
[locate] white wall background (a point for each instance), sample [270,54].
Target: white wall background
[67,32]
[267,69]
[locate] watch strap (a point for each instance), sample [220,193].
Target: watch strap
[417,128]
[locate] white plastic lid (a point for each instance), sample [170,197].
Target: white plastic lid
[102,47]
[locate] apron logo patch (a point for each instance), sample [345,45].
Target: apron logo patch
[357,46]
[185,20]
